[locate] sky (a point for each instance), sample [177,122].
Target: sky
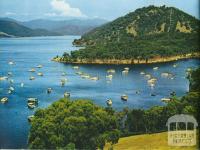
[24,10]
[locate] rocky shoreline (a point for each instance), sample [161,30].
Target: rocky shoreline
[128,61]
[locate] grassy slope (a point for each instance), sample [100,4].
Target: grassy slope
[156,141]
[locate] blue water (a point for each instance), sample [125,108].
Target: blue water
[30,52]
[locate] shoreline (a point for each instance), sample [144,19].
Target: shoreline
[130,61]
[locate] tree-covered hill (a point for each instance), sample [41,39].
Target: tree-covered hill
[9,27]
[146,33]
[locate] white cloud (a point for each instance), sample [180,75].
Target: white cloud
[64,9]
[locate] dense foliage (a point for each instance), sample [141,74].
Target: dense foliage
[146,33]
[80,124]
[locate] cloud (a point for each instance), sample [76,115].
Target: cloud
[64,9]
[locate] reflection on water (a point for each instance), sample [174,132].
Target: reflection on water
[27,53]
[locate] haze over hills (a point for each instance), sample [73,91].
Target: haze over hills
[148,32]
[49,27]
[14,29]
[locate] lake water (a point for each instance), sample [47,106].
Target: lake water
[30,52]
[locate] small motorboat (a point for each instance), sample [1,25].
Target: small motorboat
[148,76]
[173,93]
[94,78]
[66,95]
[137,92]
[4,100]
[11,88]
[31,105]
[32,78]
[10,73]
[9,91]
[30,118]
[79,73]
[109,102]
[11,81]
[124,97]
[165,99]
[22,84]
[125,71]
[32,100]
[39,66]
[111,71]
[40,74]
[175,65]
[3,78]
[32,70]
[155,68]
[142,73]
[11,63]
[49,90]
[75,67]
[126,68]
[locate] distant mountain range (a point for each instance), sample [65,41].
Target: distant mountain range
[10,27]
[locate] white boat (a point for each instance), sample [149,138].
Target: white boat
[4,100]
[125,71]
[109,77]
[10,73]
[148,76]
[39,66]
[11,81]
[11,88]
[49,90]
[22,84]
[32,78]
[40,74]
[175,65]
[30,118]
[31,105]
[3,78]
[11,63]
[155,68]
[75,67]
[165,99]
[66,94]
[32,100]
[109,102]
[124,97]
[79,73]
[126,68]
[152,80]
[110,71]
[142,73]
[63,81]
[32,70]
[94,78]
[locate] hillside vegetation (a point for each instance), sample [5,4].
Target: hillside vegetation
[149,32]
[12,28]
[157,141]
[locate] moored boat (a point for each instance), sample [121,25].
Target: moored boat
[4,100]
[109,102]
[66,95]
[40,74]
[32,78]
[49,90]
[124,97]
[165,99]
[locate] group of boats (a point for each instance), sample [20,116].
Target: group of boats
[124,98]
